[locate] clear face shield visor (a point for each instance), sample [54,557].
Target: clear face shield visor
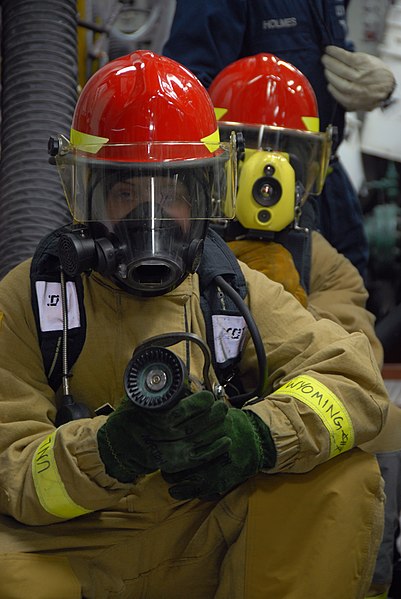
[308,152]
[280,168]
[154,209]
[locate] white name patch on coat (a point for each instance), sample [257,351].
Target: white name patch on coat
[50,306]
[229,335]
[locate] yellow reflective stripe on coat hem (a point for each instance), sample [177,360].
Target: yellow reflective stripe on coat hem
[49,486]
[329,408]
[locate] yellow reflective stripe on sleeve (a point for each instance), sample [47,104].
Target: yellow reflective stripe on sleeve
[1,318]
[329,408]
[49,487]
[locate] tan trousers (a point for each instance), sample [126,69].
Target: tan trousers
[306,536]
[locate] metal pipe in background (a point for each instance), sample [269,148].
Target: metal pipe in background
[39,92]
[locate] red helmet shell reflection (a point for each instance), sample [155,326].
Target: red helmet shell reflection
[144,97]
[264,90]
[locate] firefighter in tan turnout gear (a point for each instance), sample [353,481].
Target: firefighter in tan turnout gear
[284,164]
[275,108]
[130,468]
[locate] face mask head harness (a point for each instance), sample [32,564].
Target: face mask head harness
[144,173]
[286,157]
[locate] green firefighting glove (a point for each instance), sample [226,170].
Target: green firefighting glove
[251,449]
[135,441]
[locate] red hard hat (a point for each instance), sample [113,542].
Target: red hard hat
[144,97]
[264,90]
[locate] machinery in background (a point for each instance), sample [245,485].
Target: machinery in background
[380,195]
[111,28]
[371,154]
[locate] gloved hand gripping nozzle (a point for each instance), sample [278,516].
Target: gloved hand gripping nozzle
[202,446]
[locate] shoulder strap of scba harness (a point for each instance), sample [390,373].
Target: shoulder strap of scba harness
[225,326]
[47,308]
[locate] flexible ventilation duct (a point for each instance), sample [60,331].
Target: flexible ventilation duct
[39,91]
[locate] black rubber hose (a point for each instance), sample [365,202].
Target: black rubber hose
[239,400]
[38,96]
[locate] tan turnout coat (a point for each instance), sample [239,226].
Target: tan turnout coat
[296,345]
[151,546]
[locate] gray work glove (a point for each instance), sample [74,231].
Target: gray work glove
[358,81]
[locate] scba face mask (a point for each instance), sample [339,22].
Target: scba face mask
[158,221]
[266,191]
[143,224]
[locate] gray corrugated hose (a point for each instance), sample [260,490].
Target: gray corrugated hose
[39,92]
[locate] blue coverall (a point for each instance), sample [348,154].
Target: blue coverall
[207,35]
